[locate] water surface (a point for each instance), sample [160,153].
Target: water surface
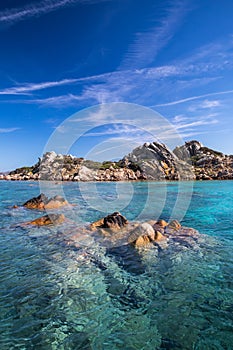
[57,296]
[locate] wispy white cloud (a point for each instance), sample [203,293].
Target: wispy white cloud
[210,104]
[7,130]
[195,70]
[184,100]
[179,118]
[147,45]
[36,9]
[116,148]
[193,133]
[189,125]
[60,101]
[213,55]
[120,130]
[196,123]
[206,104]
[56,101]
[51,121]
[27,88]
[188,72]
[110,90]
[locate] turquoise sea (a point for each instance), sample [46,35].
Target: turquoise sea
[55,295]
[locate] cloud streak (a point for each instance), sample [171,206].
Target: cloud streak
[120,130]
[147,45]
[188,126]
[25,89]
[38,9]
[195,70]
[210,104]
[54,101]
[206,104]
[184,100]
[196,123]
[7,130]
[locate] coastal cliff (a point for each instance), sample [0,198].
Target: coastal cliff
[150,161]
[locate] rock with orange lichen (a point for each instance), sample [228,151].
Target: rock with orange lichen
[145,235]
[162,223]
[42,202]
[51,219]
[36,202]
[117,230]
[97,224]
[159,236]
[142,241]
[174,224]
[56,203]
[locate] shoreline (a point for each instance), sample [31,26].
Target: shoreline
[112,181]
[150,161]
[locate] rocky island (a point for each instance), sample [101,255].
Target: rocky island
[150,161]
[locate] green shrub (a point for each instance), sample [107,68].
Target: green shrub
[91,164]
[108,164]
[24,170]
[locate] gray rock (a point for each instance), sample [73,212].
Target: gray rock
[151,161]
[189,149]
[156,162]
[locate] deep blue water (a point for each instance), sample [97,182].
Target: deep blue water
[57,296]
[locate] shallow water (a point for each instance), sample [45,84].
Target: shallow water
[58,296]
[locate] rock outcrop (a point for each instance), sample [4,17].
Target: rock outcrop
[42,202]
[111,222]
[151,161]
[154,161]
[115,230]
[144,234]
[207,164]
[147,234]
[58,167]
[188,150]
[46,220]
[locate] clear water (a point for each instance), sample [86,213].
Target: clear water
[57,296]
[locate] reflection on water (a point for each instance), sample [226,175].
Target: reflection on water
[90,296]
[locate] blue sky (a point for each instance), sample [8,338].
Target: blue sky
[58,57]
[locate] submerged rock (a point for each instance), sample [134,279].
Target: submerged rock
[51,219]
[42,202]
[183,235]
[77,340]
